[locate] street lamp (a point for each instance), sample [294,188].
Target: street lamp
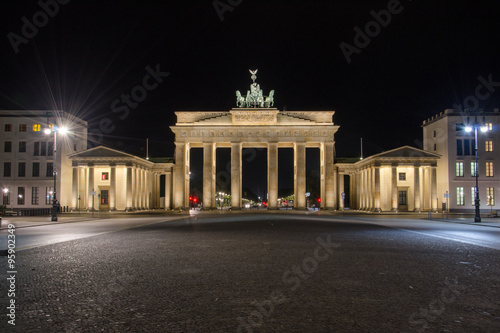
[62,130]
[469,128]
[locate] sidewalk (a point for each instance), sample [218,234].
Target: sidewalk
[33,221]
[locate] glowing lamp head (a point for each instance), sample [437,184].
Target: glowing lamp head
[63,130]
[468,128]
[47,131]
[484,129]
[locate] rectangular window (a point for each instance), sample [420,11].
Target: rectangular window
[105,176]
[43,150]
[36,169]
[434,134]
[466,147]
[74,147]
[7,147]
[6,169]
[460,196]
[402,176]
[459,127]
[50,149]
[6,197]
[460,151]
[489,169]
[8,127]
[36,149]
[20,195]
[22,146]
[34,195]
[435,146]
[490,195]
[488,145]
[473,195]
[50,169]
[22,127]
[473,169]
[460,169]
[489,125]
[21,170]
[48,195]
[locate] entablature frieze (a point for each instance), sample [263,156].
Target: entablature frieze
[249,134]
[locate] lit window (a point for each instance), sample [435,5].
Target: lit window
[473,169]
[22,127]
[489,125]
[402,176]
[105,176]
[20,195]
[460,169]
[8,127]
[489,169]
[460,196]
[490,195]
[34,195]
[36,128]
[6,197]
[488,145]
[48,195]
[473,195]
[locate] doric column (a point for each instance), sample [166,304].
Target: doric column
[236,175]
[91,187]
[330,196]
[416,187]
[272,174]
[74,189]
[300,175]
[362,192]
[181,178]
[134,187]
[434,198]
[168,190]
[370,188]
[129,198]
[377,189]
[394,187]
[209,156]
[112,187]
[341,190]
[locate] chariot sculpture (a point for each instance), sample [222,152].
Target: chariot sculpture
[255,96]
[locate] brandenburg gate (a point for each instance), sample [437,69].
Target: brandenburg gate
[254,124]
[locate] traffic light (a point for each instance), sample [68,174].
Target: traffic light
[195,200]
[190,198]
[319,199]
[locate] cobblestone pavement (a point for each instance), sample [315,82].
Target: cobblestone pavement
[256,273]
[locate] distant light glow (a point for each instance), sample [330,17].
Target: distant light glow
[63,130]
[47,131]
[468,129]
[484,129]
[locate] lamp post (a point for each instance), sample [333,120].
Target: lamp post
[482,128]
[63,131]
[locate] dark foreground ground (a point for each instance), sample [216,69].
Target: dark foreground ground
[256,274]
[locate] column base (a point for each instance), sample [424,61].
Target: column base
[128,209]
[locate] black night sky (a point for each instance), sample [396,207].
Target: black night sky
[427,58]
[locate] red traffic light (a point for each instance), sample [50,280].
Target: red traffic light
[190,198]
[195,199]
[319,199]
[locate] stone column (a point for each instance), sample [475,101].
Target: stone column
[91,187]
[272,174]
[341,190]
[179,189]
[112,188]
[377,189]
[168,190]
[394,187]
[129,199]
[300,175]
[416,187]
[74,189]
[236,175]
[434,198]
[330,197]
[362,191]
[322,176]
[209,156]
[370,188]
